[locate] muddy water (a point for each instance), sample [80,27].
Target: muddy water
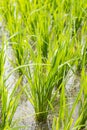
[72,89]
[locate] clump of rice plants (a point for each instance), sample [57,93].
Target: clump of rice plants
[8,102]
[14,26]
[65,119]
[48,63]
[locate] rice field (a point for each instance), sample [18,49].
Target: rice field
[43,65]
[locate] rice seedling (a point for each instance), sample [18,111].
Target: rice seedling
[65,117]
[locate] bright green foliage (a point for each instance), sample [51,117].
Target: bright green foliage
[48,38]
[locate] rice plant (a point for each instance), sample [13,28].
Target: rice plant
[48,64]
[8,102]
[65,119]
[14,27]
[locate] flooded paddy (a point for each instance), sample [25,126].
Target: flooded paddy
[24,117]
[43,61]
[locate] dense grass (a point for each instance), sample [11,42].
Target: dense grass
[48,39]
